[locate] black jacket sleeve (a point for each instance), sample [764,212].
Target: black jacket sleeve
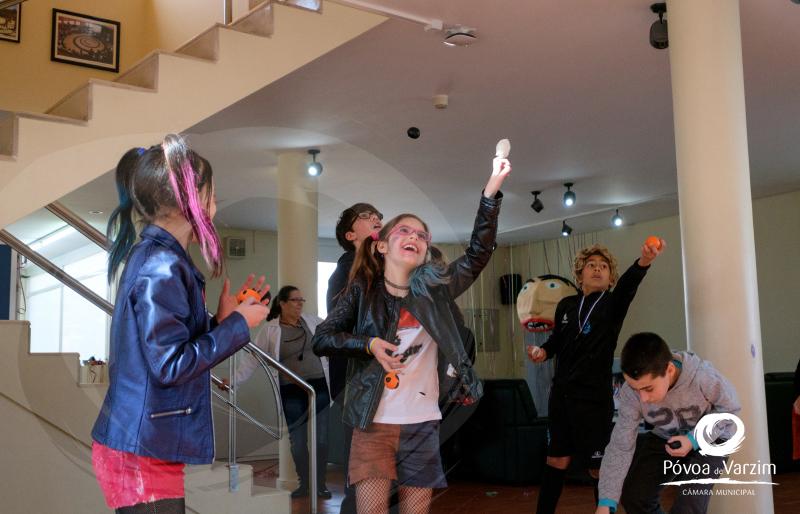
[334,335]
[556,340]
[338,280]
[464,270]
[625,290]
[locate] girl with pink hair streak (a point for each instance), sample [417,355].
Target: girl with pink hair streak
[156,416]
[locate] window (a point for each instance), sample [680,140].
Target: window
[61,319]
[324,272]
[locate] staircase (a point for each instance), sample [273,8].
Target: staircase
[84,134]
[45,441]
[47,413]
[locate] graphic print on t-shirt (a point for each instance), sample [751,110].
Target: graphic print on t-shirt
[416,397]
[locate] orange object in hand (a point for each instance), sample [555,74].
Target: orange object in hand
[248,293]
[654,242]
[391,380]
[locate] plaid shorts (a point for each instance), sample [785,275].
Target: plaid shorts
[408,454]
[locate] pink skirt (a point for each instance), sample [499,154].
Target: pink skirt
[127,479]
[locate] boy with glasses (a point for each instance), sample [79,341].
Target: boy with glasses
[355,224]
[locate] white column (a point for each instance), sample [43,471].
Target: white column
[297,257]
[716,218]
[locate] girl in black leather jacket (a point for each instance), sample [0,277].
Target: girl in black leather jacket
[395,324]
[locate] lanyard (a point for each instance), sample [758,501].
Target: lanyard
[586,319]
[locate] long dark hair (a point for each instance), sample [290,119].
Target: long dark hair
[275,305]
[153,182]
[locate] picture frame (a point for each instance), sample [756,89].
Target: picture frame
[10,22]
[85,40]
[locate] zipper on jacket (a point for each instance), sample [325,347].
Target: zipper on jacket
[168,413]
[378,391]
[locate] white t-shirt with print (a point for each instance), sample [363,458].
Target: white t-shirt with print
[416,399]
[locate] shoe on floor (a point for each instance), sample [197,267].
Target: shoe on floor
[300,492]
[324,493]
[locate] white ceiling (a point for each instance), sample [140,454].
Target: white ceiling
[574,84]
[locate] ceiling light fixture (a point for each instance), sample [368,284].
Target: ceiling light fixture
[658,30]
[565,229]
[314,167]
[460,36]
[569,196]
[617,220]
[537,204]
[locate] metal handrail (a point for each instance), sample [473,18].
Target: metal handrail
[79,224]
[60,275]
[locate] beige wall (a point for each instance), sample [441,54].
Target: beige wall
[32,82]
[35,83]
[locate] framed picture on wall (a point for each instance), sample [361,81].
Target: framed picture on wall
[85,41]
[10,19]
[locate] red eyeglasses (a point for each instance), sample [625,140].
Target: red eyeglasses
[405,230]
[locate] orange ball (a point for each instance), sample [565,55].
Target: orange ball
[654,242]
[391,380]
[248,293]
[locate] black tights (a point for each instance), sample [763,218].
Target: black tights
[168,506]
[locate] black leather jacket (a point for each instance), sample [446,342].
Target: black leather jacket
[360,315]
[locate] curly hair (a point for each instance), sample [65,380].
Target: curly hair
[602,251]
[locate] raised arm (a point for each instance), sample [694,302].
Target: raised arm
[464,270]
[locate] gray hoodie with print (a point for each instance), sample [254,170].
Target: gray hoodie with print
[699,390]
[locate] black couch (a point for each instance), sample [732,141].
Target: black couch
[780,394]
[503,441]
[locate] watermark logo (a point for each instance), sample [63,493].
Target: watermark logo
[703,434]
[704,468]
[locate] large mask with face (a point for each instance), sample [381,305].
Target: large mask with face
[537,301]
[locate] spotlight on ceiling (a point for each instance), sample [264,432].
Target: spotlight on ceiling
[565,229]
[314,167]
[658,30]
[569,196]
[537,204]
[617,220]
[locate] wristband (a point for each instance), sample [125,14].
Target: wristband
[369,345]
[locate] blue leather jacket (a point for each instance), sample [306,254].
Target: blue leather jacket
[163,347]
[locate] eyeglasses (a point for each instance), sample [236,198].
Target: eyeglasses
[405,230]
[297,300]
[368,215]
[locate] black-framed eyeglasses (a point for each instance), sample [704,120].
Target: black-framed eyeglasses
[368,215]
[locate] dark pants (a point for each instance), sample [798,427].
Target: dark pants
[640,493]
[295,408]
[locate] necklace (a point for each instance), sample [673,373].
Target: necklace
[585,326]
[401,288]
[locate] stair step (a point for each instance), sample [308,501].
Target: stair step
[203,46]
[259,22]
[78,104]
[8,134]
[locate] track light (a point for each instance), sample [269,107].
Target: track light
[314,167]
[569,196]
[617,220]
[658,30]
[565,229]
[537,204]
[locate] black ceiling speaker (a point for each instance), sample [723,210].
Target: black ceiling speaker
[658,30]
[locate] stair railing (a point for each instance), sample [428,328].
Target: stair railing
[263,359]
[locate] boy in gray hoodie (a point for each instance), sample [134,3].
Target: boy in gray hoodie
[671,392]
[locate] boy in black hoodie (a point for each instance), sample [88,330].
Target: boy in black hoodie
[584,338]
